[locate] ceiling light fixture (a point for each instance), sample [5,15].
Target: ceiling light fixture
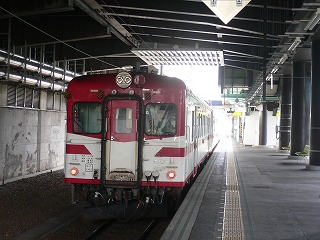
[275,69]
[283,59]
[295,44]
[313,21]
[268,77]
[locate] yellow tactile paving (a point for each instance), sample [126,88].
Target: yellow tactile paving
[232,217]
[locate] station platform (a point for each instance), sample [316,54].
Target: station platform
[252,193]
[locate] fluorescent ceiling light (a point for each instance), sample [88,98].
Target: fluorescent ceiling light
[268,77]
[283,59]
[275,69]
[294,45]
[313,21]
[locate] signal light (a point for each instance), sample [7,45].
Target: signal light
[171,174]
[74,171]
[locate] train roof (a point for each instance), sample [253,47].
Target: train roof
[151,81]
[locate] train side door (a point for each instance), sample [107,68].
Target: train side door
[121,141]
[195,141]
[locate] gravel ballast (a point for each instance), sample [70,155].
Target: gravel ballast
[28,202]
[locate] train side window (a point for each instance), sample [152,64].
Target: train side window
[123,120]
[86,117]
[161,119]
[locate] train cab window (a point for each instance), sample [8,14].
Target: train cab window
[123,120]
[161,119]
[87,117]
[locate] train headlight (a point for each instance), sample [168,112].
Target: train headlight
[171,174]
[74,171]
[147,174]
[155,174]
[123,79]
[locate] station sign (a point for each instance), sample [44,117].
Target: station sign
[226,10]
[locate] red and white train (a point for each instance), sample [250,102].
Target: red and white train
[135,138]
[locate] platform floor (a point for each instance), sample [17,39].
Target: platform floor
[252,193]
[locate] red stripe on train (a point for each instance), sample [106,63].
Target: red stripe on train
[163,184]
[82,180]
[143,183]
[76,149]
[171,152]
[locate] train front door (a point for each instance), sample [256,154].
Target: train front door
[121,139]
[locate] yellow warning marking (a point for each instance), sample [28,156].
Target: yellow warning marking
[232,217]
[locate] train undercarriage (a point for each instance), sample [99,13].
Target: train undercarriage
[128,203]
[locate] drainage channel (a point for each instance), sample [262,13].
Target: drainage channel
[232,216]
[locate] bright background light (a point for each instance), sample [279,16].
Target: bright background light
[202,80]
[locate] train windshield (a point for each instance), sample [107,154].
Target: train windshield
[161,119]
[87,117]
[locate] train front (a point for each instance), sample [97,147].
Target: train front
[122,139]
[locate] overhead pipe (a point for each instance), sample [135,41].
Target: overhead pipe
[35,66]
[31,81]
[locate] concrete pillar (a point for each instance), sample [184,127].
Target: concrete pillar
[263,125]
[307,103]
[3,95]
[285,111]
[315,104]
[221,79]
[297,109]
[263,120]
[43,100]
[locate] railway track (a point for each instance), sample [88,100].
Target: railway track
[106,229]
[140,229]
[148,229]
[78,227]
[99,229]
[74,225]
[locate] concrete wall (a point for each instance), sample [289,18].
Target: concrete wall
[271,130]
[31,140]
[251,129]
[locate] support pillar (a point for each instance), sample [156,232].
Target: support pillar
[307,103]
[221,79]
[285,111]
[314,158]
[297,109]
[263,117]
